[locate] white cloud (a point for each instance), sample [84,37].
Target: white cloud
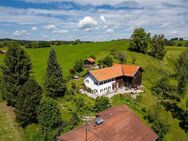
[174,32]
[164,25]
[29,16]
[51,27]
[44,35]
[87,23]
[34,28]
[19,33]
[94,2]
[155,18]
[109,31]
[114,2]
[60,31]
[103,19]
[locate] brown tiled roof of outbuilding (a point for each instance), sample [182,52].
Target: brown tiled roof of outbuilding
[91,60]
[120,124]
[3,51]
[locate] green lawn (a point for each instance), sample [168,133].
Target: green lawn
[68,54]
[153,71]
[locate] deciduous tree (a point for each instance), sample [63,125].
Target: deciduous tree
[158,46]
[182,72]
[139,40]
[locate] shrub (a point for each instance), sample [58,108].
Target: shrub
[164,89]
[179,44]
[93,56]
[78,66]
[73,86]
[101,103]
[158,125]
[119,55]
[106,62]
[178,113]
[80,105]
[133,60]
[74,119]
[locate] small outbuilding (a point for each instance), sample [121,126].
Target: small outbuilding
[3,51]
[89,62]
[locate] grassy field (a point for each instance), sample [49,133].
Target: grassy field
[153,71]
[9,129]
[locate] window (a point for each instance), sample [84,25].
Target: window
[101,90]
[95,91]
[87,81]
[109,80]
[101,83]
[109,88]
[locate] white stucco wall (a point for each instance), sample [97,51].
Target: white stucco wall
[89,82]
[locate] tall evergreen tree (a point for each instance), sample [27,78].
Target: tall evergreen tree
[16,72]
[54,83]
[27,102]
[158,46]
[49,118]
[139,40]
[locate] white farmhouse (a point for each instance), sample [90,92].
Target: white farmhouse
[107,80]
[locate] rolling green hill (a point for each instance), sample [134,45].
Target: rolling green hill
[153,71]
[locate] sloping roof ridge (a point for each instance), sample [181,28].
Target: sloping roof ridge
[138,67]
[91,59]
[122,69]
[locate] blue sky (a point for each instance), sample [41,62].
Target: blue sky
[95,20]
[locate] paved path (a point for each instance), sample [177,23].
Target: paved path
[134,93]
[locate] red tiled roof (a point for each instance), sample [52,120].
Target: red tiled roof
[91,60]
[115,71]
[128,70]
[120,124]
